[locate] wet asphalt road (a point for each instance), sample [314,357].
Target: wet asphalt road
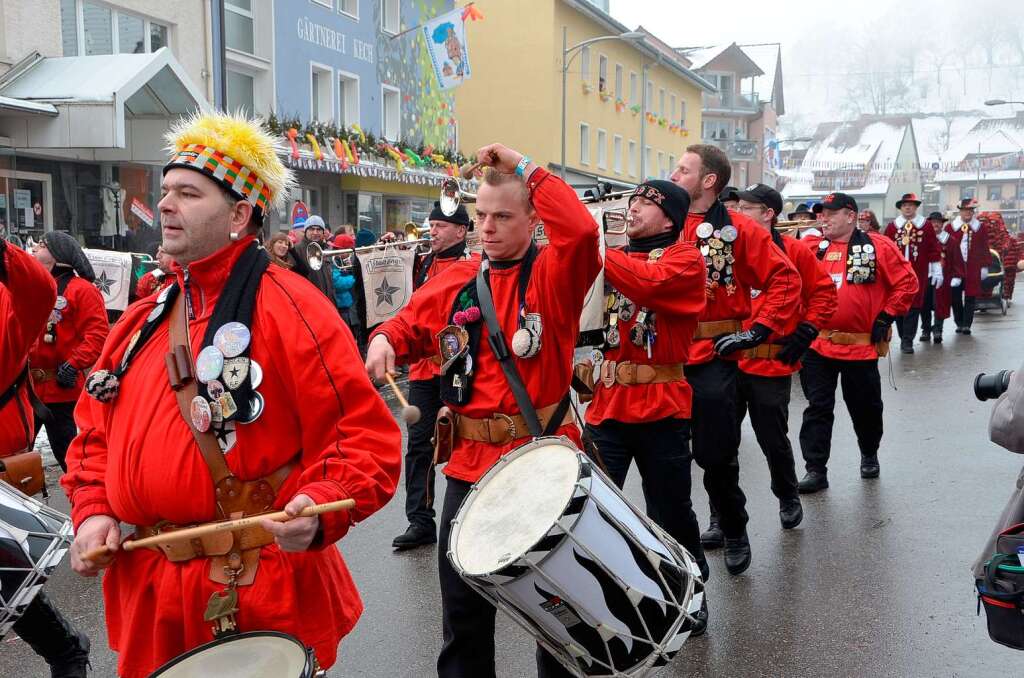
[875,582]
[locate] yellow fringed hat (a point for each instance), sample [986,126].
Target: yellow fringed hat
[234,151]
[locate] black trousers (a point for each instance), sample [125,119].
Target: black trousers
[661,450]
[906,325]
[467,617]
[50,634]
[419,453]
[963,307]
[929,322]
[716,440]
[862,392]
[60,430]
[767,400]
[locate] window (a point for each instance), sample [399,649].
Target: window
[661,165]
[682,113]
[672,108]
[995,192]
[584,143]
[390,16]
[350,7]
[69,27]
[617,154]
[716,129]
[632,158]
[966,192]
[391,112]
[618,82]
[99,38]
[89,28]
[646,169]
[348,99]
[131,35]
[650,96]
[634,88]
[585,64]
[157,36]
[602,149]
[321,93]
[661,102]
[325,3]
[240,92]
[238,32]
[602,73]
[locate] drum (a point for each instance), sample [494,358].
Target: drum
[548,538]
[256,654]
[33,541]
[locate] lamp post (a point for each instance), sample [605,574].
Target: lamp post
[629,36]
[1020,156]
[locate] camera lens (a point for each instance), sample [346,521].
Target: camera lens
[988,386]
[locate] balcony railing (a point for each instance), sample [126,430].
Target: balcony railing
[736,149]
[839,180]
[730,101]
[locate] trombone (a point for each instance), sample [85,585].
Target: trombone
[315,254]
[793,226]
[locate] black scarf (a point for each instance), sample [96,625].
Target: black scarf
[857,259]
[653,242]
[456,251]
[467,298]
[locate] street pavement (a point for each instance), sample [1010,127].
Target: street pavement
[876,581]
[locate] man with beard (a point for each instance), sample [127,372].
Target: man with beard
[739,256]
[916,240]
[313,231]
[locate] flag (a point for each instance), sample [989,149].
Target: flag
[446,41]
[113,276]
[387,282]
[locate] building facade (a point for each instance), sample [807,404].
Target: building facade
[630,105]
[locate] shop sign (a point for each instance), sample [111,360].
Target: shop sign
[22,199]
[328,38]
[142,212]
[367,171]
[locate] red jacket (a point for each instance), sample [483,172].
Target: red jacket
[427,368]
[135,459]
[673,288]
[921,249]
[858,305]
[978,257]
[759,265]
[80,335]
[150,284]
[817,304]
[562,274]
[27,293]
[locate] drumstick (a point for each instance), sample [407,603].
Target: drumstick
[410,414]
[190,533]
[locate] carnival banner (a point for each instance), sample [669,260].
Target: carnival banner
[113,276]
[445,36]
[387,282]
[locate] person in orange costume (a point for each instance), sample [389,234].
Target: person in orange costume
[307,420]
[875,285]
[72,339]
[766,373]
[538,296]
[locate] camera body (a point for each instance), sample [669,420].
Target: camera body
[989,386]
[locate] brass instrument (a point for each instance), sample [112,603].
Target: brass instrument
[414,232]
[797,225]
[315,254]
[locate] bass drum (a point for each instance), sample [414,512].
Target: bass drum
[550,540]
[256,654]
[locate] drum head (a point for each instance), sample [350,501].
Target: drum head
[262,654]
[515,505]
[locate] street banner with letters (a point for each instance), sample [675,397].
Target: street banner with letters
[113,276]
[445,36]
[387,282]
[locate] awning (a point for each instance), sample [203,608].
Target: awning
[93,102]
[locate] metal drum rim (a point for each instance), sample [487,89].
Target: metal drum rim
[309,668]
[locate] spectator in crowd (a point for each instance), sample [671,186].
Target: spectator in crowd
[365,237]
[314,231]
[344,229]
[868,222]
[278,247]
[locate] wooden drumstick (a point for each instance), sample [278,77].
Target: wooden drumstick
[410,414]
[190,533]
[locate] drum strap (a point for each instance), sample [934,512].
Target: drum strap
[499,346]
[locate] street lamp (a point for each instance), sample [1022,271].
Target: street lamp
[629,36]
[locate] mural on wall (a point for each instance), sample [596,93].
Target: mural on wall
[428,114]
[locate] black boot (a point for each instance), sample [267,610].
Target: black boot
[52,637]
[812,482]
[791,513]
[907,344]
[869,467]
[737,554]
[937,332]
[700,624]
[713,537]
[414,536]
[926,335]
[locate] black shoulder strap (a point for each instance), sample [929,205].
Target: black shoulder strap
[496,338]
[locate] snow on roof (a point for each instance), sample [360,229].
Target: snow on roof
[989,136]
[767,59]
[855,145]
[700,57]
[930,132]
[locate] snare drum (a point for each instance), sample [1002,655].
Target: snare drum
[256,654]
[33,541]
[548,538]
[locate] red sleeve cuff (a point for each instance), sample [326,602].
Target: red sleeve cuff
[333,525]
[82,511]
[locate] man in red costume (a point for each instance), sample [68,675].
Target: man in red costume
[875,285]
[71,340]
[766,371]
[27,295]
[538,296]
[447,246]
[938,298]
[642,403]
[970,261]
[252,360]
[915,238]
[157,279]
[740,256]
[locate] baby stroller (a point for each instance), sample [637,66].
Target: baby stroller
[992,287]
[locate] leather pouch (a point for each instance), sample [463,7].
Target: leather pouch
[24,471]
[444,436]
[583,381]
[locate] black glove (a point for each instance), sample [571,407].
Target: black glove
[741,341]
[796,344]
[880,329]
[66,375]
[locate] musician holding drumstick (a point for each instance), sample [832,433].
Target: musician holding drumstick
[538,295]
[233,392]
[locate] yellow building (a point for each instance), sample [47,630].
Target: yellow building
[515,93]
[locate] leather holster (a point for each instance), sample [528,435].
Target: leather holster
[583,382]
[444,436]
[24,471]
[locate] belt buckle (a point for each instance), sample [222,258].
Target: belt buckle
[510,426]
